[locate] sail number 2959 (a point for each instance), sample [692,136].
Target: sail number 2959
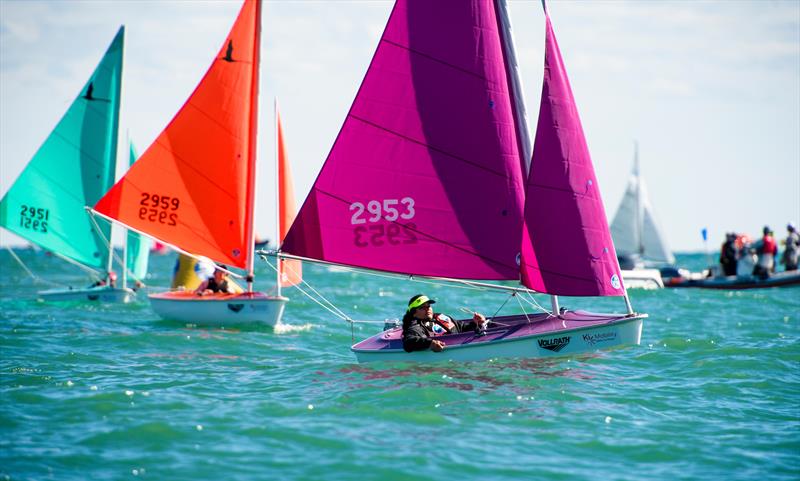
[159,208]
[388,209]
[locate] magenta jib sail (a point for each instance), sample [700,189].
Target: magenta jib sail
[567,247]
[424,177]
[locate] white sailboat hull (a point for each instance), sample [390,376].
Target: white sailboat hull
[90,294]
[254,308]
[642,279]
[577,340]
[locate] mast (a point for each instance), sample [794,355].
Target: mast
[110,260]
[520,115]
[252,151]
[639,211]
[277,197]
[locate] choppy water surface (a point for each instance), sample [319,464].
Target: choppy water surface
[111,392]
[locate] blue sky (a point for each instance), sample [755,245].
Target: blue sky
[710,89]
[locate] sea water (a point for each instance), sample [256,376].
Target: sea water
[109,392]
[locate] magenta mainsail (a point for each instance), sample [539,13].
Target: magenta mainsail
[567,247]
[424,177]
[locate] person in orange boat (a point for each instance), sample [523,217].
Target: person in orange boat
[217,284]
[421,325]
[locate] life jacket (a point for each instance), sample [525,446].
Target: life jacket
[436,329]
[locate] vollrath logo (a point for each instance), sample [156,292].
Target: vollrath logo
[554,345]
[593,339]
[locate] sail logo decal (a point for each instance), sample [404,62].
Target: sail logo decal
[593,339]
[235,307]
[615,282]
[555,344]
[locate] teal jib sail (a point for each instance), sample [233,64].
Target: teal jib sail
[138,245]
[73,168]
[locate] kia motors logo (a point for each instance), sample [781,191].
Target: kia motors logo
[555,344]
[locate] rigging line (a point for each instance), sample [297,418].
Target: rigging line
[449,281]
[533,302]
[345,316]
[22,264]
[523,310]
[332,309]
[91,271]
[110,248]
[503,304]
[172,246]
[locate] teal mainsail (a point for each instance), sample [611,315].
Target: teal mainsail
[138,246]
[73,168]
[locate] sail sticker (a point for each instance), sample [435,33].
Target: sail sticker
[592,339]
[615,282]
[555,344]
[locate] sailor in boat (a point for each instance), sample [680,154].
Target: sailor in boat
[729,255]
[110,280]
[219,283]
[791,253]
[767,251]
[421,325]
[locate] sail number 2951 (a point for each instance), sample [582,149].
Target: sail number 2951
[388,209]
[159,208]
[34,218]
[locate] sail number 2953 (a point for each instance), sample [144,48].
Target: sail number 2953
[388,209]
[159,208]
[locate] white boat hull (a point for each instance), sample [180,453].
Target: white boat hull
[88,294]
[219,310]
[570,341]
[642,279]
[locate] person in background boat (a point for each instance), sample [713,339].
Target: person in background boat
[110,280]
[767,250]
[791,253]
[421,325]
[729,255]
[218,284]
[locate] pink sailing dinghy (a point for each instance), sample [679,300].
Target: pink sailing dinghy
[432,175]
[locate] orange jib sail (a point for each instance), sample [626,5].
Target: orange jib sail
[193,187]
[291,272]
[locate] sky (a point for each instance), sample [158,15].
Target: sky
[709,89]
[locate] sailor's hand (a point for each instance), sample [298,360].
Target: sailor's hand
[437,346]
[478,318]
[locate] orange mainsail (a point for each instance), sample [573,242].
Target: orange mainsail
[194,186]
[290,270]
